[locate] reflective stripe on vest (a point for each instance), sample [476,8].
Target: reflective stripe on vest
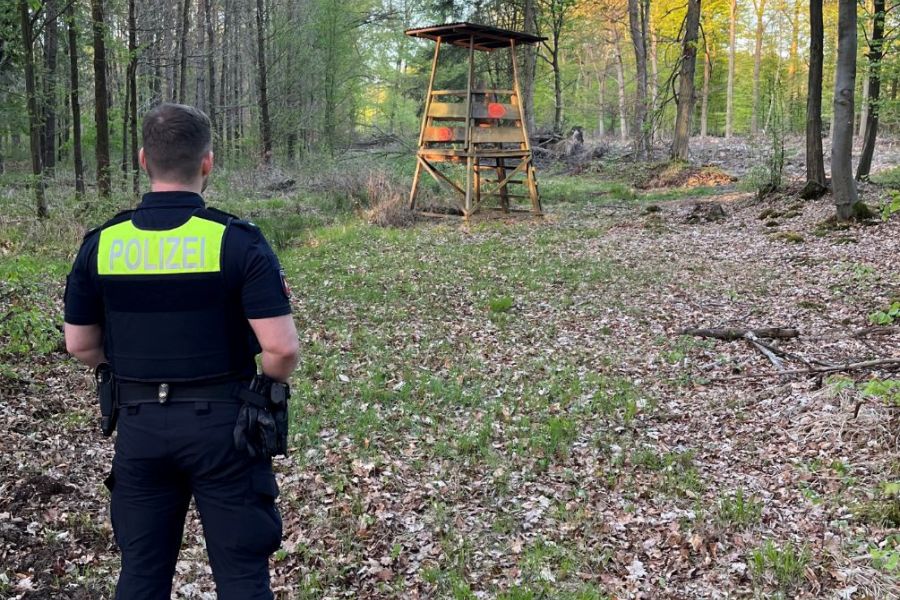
[193,247]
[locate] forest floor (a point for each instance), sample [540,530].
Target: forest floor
[506,408]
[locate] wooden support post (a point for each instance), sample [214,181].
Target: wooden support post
[501,176]
[470,147]
[530,177]
[415,185]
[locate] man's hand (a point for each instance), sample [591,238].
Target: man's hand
[85,342]
[278,339]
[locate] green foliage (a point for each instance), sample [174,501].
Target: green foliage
[890,207]
[887,390]
[886,317]
[887,557]
[785,565]
[739,511]
[500,304]
[29,322]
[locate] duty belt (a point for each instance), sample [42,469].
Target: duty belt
[133,393]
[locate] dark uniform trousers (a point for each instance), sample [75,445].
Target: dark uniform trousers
[165,453]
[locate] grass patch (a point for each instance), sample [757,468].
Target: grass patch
[739,511]
[784,567]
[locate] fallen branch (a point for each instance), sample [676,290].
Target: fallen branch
[881,363]
[765,349]
[731,334]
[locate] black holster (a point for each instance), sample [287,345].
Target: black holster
[262,426]
[106,394]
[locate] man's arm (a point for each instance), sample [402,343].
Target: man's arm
[85,342]
[280,347]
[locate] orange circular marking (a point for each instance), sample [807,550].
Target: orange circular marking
[496,110]
[445,134]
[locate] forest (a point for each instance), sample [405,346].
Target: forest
[678,379]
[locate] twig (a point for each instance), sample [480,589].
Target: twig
[731,334]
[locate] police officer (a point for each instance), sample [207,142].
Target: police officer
[171,302]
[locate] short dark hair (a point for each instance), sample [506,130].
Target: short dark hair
[176,138]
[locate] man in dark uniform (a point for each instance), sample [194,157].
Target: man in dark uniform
[171,302]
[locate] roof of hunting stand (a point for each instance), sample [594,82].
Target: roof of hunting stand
[484,37]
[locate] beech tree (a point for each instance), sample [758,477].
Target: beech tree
[74,100]
[815,162]
[637,26]
[846,198]
[101,120]
[686,82]
[37,170]
[875,55]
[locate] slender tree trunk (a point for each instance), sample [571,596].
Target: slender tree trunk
[876,53]
[222,117]
[760,6]
[601,101]
[132,109]
[529,64]
[654,80]
[74,102]
[640,131]
[100,99]
[815,162]
[265,126]
[686,84]
[48,103]
[620,77]
[794,65]
[211,63]
[863,109]
[845,195]
[704,99]
[181,93]
[729,106]
[33,117]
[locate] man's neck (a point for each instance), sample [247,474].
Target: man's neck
[165,186]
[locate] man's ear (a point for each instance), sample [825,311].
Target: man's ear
[142,159]
[206,165]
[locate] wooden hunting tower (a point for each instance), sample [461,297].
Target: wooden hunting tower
[483,128]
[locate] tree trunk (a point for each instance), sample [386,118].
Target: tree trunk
[557,87]
[529,64]
[760,6]
[863,109]
[876,53]
[601,93]
[845,196]
[211,63]
[132,109]
[686,84]
[51,46]
[636,28]
[265,126]
[704,99]
[222,117]
[75,103]
[794,65]
[729,106]
[100,99]
[180,94]
[815,162]
[33,117]
[654,79]
[620,77]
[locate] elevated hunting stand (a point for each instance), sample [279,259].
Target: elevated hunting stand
[484,128]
